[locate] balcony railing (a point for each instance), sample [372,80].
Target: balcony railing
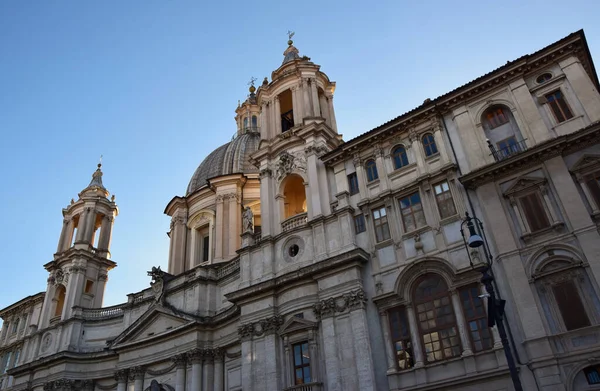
[294,222]
[305,387]
[500,154]
[102,313]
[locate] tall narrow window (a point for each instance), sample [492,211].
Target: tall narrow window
[245,123]
[570,305]
[371,168]
[15,326]
[205,247]
[593,183]
[534,212]
[413,216]
[429,145]
[436,320]
[16,361]
[6,363]
[353,183]
[287,112]
[444,200]
[301,363]
[400,157]
[382,229]
[89,285]
[359,224]
[400,333]
[476,318]
[592,374]
[60,300]
[559,106]
[254,122]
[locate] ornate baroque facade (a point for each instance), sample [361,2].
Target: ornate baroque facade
[299,261]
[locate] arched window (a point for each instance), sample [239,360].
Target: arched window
[254,122]
[436,319]
[59,297]
[294,194]
[400,157]
[429,145]
[245,122]
[371,168]
[543,78]
[15,325]
[502,132]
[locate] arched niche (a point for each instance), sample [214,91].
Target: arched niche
[293,192]
[201,228]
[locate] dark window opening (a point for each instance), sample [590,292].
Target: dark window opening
[301,363]
[359,224]
[205,247]
[371,168]
[353,183]
[570,305]
[559,106]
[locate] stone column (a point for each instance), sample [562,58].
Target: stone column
[287,381]
[137,375]
[548,203]
[522,222]
[415,337]
[331,355]
[209,380]
[74,289]
[417,150]
[81,225]
[68,239]
[308,109]
[89,226]
[180,365]
[121,378]
[381,169]
[362,349]
[218,240]
[312,191]
[235,228]
[246,359]
[266,210]
[105,233]
[219,375]
[439,141]
[299,104]
[332,113]
[178,240]
[195,357]
[63,234]
[462,327]
[272,381]
[315,97]
[588,195]
[324,109]
[295,104]
[277,116]
[312,346]
[99,291]
[264,119]
[387,340]
[360,176]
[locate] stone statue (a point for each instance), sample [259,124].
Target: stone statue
[248,223]
[154,386]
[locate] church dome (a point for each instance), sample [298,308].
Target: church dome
[230,158]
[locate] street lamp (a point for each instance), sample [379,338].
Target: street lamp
[496,305]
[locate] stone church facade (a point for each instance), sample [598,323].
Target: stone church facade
[301,262]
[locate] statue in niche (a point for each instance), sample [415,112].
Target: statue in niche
[248,220]
[156,386]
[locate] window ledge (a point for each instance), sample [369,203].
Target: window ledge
[418,231]
[384,243]
[559,124]
[373,182]
[450,219]
[401,170]
[433,157]
[529,235]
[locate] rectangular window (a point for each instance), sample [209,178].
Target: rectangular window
[570,305]
[89,284]
[413,216]
[444,200]
[17,354]
[6,362]
[476,318]
[353,183]
[400,334]
[559,106]
[593,183]
[359,224]
[205,247]
[301,363]
[592,375]
[534,212]
[382,229]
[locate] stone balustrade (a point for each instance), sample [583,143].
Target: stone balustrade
[294,222]
[230,268]
[305,387]
[102,313]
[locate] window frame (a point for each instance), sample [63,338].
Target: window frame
[402,209]
[431,145]
[451,199]
[403,338]
[557,106]
[588,370]
[360,224]
[528,213]
[479,319]
[399,157]
[522,187]
[301,366]
[437,329]
[353,187]
[381,221]
[491,124]
[371,170]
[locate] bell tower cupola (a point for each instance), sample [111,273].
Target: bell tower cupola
[79,270]
[248,113]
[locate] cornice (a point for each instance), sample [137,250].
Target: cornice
[22,304]
[558,146]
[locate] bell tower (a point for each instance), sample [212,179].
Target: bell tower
[79,270]
[297,126]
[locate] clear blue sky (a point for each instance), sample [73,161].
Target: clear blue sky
[152,85]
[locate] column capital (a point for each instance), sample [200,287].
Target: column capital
[179,360]
[195,355]
[121,375]
[136,373]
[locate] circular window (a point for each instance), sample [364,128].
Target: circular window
[543,78]
[293,250]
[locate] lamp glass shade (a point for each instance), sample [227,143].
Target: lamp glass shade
[475,241]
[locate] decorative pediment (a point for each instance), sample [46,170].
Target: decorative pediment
[523,184]
[586,162]
[158,320]
[295,324]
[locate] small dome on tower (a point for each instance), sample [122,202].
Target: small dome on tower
[291,53]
